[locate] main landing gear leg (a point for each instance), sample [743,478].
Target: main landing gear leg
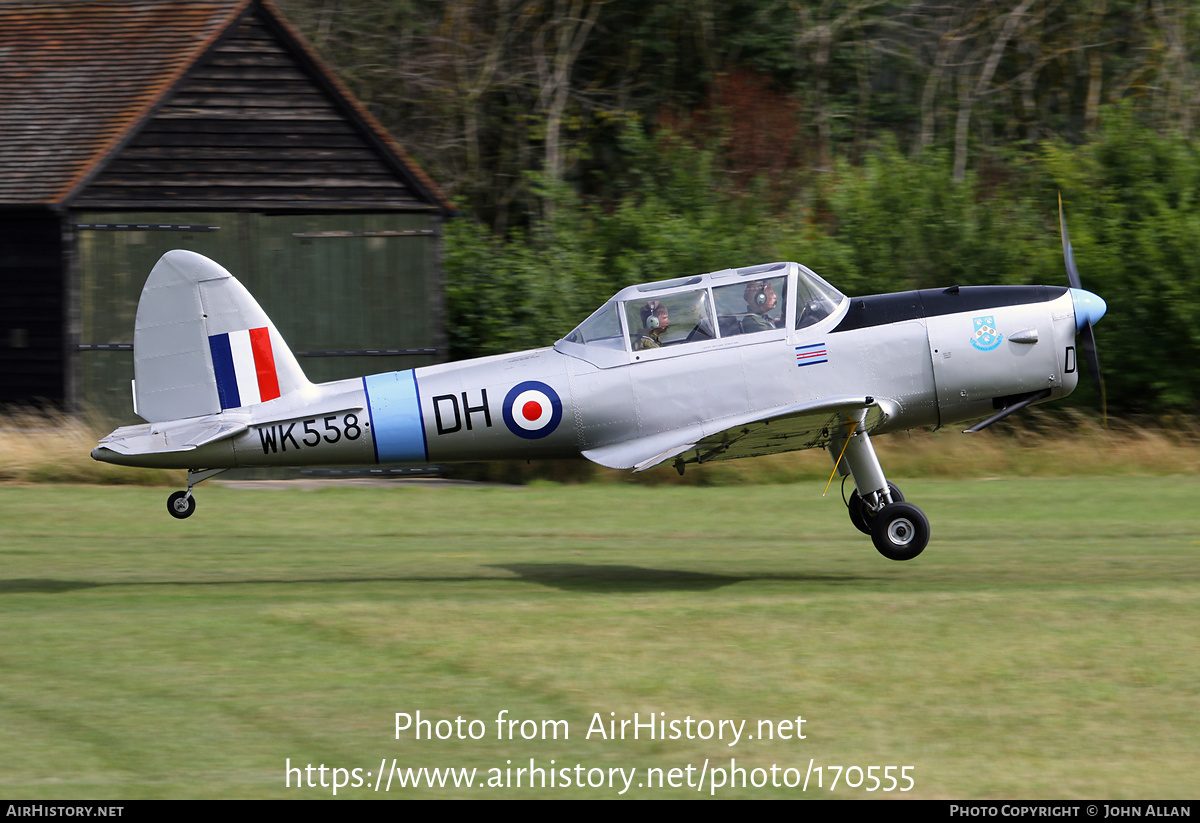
[899,530]
[182,504]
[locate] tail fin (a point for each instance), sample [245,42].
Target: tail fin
[201,344]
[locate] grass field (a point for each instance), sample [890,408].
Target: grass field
[1045,645]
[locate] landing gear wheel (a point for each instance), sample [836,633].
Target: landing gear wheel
[860,515]
[181,505]
[900,531]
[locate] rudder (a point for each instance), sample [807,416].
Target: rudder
[202,344]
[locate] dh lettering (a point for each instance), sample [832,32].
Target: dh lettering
[449,416]
[442,428]
[468,409]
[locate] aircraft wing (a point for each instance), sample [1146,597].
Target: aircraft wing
[790,428]
[177,436]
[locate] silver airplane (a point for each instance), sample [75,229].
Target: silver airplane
[732,363]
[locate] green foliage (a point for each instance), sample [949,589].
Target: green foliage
[677,216]
[1133,208]
[907,224]
[534,286]
[517,294]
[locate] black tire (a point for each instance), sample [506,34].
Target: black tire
[900,531]
[181,505]
[860,516]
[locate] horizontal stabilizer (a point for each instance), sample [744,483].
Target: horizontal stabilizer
[789,428]
[177,436]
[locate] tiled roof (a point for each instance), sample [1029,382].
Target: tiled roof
[76,76]
[79,78]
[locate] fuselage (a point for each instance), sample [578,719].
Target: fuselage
[938,356]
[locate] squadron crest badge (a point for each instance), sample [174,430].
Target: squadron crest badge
[986,337]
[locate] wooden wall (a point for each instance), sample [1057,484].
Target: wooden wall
[252,126]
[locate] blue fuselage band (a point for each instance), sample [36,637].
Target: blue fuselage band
[395,410]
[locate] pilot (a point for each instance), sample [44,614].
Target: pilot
[760,299]
[654,322]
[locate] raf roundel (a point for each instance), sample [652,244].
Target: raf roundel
[532,410]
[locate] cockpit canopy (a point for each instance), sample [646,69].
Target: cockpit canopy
[713,306]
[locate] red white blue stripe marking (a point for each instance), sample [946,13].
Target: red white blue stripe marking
[244,366]
[811,355]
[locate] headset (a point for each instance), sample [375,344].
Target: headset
[756,293]
[650,315]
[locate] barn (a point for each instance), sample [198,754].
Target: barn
[132,127]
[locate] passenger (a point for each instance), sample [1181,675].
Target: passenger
[654,322]
[760,299]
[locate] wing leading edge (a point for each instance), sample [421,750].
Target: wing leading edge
[791,428]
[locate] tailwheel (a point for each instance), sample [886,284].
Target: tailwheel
[181,504]
[900,531]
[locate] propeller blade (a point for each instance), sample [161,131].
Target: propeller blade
[1087,342]
[1068,254]
[1088,307]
